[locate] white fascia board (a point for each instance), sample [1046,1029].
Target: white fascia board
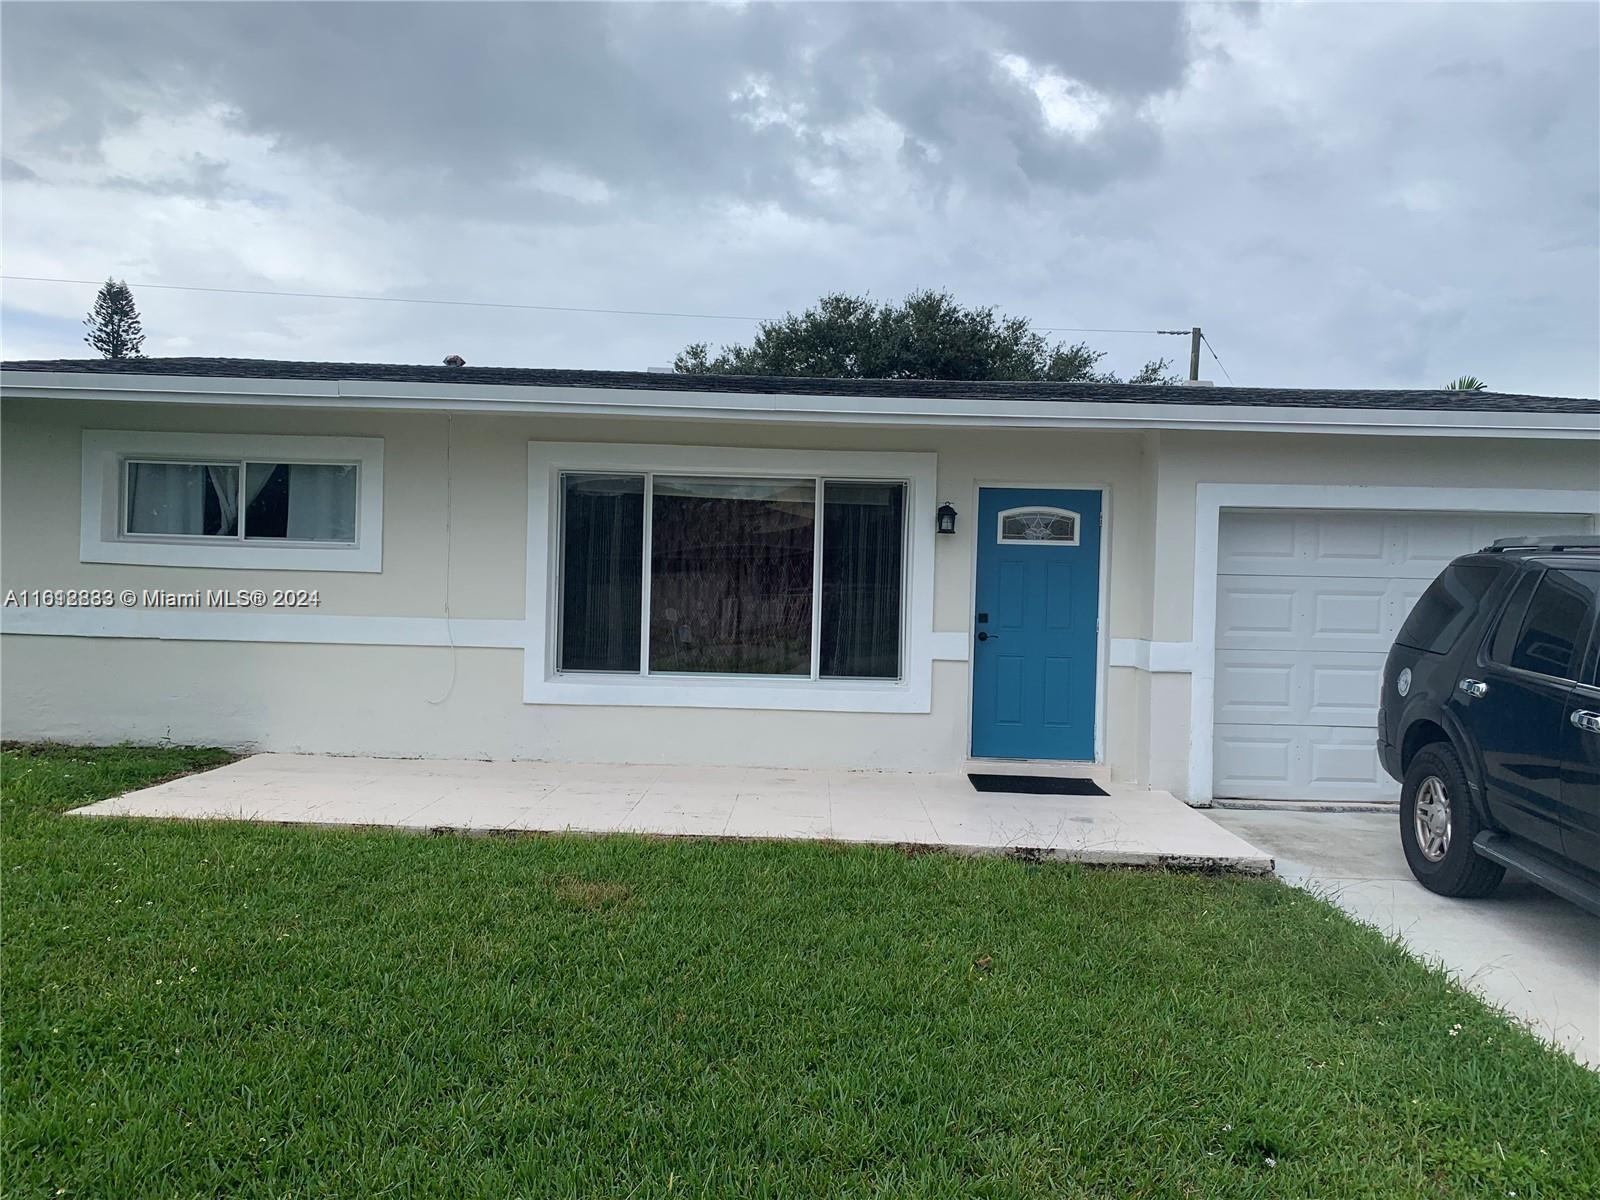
[793,409]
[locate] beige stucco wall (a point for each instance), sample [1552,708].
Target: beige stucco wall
[471,556]
[438,701]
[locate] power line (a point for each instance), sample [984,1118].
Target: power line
[615,312]
[178,287]
[1215,359]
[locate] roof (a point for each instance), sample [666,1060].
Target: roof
[1097,393]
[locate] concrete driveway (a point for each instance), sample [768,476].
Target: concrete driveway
[1523,949]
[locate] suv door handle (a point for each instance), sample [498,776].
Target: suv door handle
[1475,688]
[1587,721]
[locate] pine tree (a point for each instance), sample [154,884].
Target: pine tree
[114,328]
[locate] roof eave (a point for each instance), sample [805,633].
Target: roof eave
[789,408]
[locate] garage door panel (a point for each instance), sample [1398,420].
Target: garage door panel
[1312,613]
[1349,544]
[1308,604]
[1249,611]
[1258,687]
[1349,611]
[1278,688]
[1252,761]
[1300,763]
[1344,694]
[1365,544]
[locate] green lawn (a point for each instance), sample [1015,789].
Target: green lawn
[226,1010]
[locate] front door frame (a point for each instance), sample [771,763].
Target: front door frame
[1102,626]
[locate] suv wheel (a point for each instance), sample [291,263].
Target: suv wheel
[1437,825]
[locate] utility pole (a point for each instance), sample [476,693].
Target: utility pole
[1194,355]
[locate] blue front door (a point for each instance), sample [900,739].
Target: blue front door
[1036,624]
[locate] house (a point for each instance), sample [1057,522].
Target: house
[1187,587]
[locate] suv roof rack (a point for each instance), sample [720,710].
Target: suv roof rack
[1544,545]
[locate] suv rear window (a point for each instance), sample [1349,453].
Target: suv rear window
[1552,631]
[1447,607]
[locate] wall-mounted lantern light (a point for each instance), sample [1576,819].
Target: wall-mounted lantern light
[947,517]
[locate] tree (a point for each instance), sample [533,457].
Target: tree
[926,336]
[114,328]
[1467,383]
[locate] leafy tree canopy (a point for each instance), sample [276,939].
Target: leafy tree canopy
[114,327]
[927,336]
[1467,383]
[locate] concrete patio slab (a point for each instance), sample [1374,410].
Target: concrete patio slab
[1130,826]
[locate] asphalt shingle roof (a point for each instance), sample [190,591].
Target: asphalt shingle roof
[1097,393]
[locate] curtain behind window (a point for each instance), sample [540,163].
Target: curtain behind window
[862,540]
[188,499]
[602,568]
[307,502]
[730,575]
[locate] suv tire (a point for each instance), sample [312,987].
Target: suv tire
[1438,845]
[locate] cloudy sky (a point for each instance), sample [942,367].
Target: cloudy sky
[1342,195]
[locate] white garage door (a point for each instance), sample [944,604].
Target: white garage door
[1307,606]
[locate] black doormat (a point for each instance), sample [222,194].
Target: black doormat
[1037,785]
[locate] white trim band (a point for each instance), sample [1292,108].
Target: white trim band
[189,625]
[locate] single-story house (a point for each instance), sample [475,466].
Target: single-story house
[1187,587]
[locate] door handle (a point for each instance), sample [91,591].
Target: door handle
[1475,688]
[1587,721]
[985,636]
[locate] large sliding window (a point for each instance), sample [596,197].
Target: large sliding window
[731,575]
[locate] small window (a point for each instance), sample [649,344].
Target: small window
[1552,631]
[1034,526]
[297,502]
[1447,607]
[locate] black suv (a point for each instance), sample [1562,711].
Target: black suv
[1490,720]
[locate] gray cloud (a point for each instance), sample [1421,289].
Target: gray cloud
[662,102]
[1340,194]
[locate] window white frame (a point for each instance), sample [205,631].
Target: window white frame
[544,683]
[1000,526]
[103,517]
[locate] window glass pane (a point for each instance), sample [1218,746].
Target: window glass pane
[731,575]
[187,499]
[602,551]
[1505,634]
[863,543]
[1044,525]
[1447,607]
[300,502]
[1557,616]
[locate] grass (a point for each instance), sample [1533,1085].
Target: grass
[199,1010]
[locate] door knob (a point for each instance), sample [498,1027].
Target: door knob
[984,637]
[1587,721]
[1475,688]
